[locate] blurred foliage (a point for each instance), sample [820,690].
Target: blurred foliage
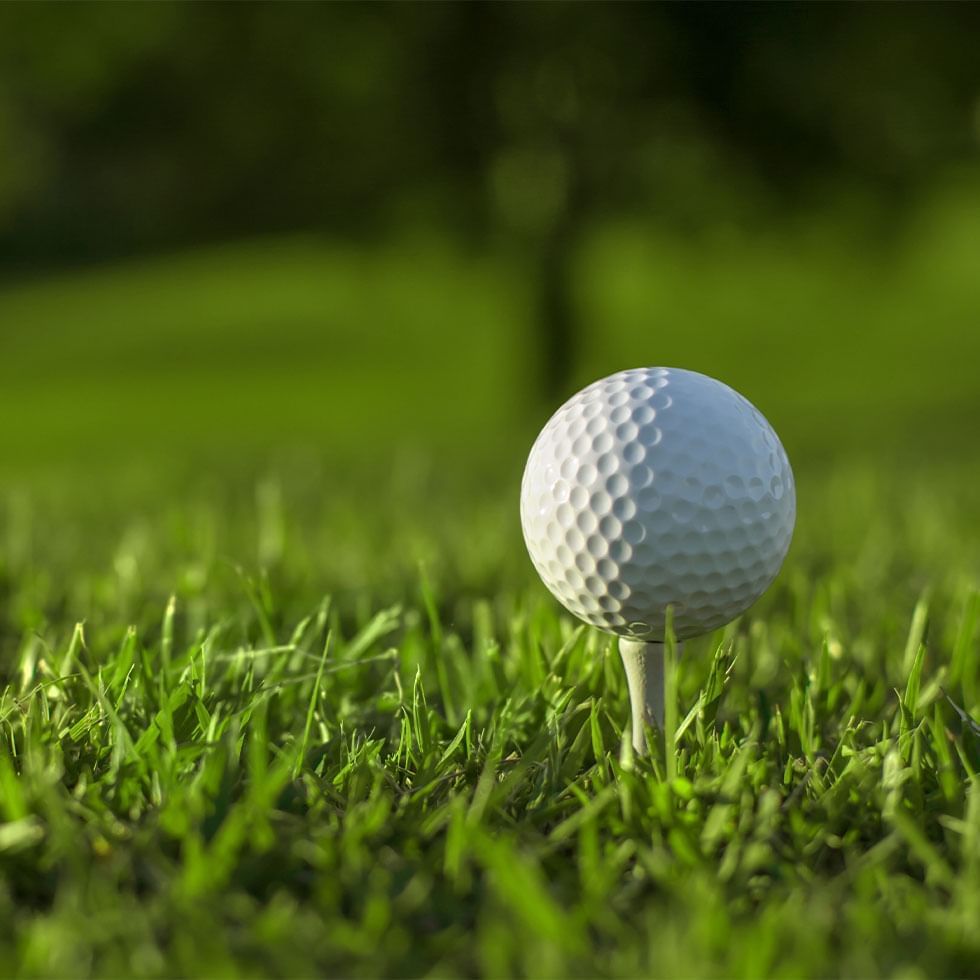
[231,227]
[148,125]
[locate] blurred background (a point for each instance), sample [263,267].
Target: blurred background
[286,292]
[346,234]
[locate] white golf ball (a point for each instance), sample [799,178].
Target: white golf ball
[657,487]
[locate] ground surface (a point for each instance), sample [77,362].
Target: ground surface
[313,714]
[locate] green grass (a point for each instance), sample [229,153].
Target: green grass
[273,706]
[224,770]
[260,347]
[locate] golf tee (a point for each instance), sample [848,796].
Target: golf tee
[644,663]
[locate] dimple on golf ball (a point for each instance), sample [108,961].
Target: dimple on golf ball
[657,487]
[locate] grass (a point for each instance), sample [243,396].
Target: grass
[223,770]
[297,712]
[260,346]
[255,347]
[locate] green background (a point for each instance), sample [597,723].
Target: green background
[286,292]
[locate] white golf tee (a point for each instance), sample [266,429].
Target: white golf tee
[644,663]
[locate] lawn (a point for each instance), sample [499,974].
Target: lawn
[275,704]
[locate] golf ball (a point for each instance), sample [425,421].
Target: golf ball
[656,487]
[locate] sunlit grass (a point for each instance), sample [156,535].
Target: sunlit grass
[280,694]
[218,754]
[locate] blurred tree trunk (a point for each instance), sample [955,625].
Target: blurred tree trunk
[558,327]
[556,315]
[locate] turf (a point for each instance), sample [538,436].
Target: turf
[224,771]
[306,713]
